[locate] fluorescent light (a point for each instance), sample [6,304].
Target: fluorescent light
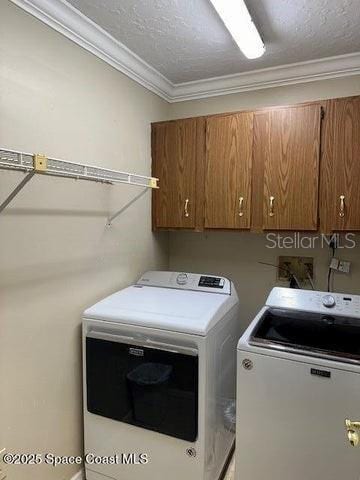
[237,19]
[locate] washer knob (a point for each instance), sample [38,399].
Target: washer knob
[182,279]
[328,301]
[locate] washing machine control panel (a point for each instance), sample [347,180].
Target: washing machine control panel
[313,301]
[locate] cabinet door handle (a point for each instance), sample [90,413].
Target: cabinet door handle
[186,211]
[241,204]
[342,206]
[271,206]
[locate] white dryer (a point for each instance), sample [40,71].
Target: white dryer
[298,389]
[159,362]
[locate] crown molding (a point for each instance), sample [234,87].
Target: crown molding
[291,74]
[70,22]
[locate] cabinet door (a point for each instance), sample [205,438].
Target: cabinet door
[287,144]
[229,141]
[341,166]
[176,145]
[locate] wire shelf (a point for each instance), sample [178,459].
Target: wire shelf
[13,160]
[39,164]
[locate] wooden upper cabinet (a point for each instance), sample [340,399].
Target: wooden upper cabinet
[229,142]
[340,193]
[286,164]
[177,146]
[260,170]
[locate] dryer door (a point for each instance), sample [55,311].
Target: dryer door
[150,385]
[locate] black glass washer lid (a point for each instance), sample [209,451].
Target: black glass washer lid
[309,333]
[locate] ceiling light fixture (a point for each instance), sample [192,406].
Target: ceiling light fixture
[237,19]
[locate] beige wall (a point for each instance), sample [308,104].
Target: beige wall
[56,254]
[236,254]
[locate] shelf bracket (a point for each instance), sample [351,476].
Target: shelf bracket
[40,162]
[17,189]
[125,207]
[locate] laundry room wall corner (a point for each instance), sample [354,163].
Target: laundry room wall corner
[57,256]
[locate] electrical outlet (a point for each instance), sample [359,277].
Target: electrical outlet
[344,266]
[301,267]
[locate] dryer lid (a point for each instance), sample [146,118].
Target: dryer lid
[178,310]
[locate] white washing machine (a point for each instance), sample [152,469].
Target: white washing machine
[159,361]
[298,389]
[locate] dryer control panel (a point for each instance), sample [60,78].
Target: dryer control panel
[211,282]
[187,281]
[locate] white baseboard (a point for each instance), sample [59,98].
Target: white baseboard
[79,476]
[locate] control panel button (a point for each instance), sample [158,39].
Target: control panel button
[328,301]
[211,282]
[182,279]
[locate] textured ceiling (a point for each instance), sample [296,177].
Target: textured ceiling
[185,39]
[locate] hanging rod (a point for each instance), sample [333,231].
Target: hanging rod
[40,164]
